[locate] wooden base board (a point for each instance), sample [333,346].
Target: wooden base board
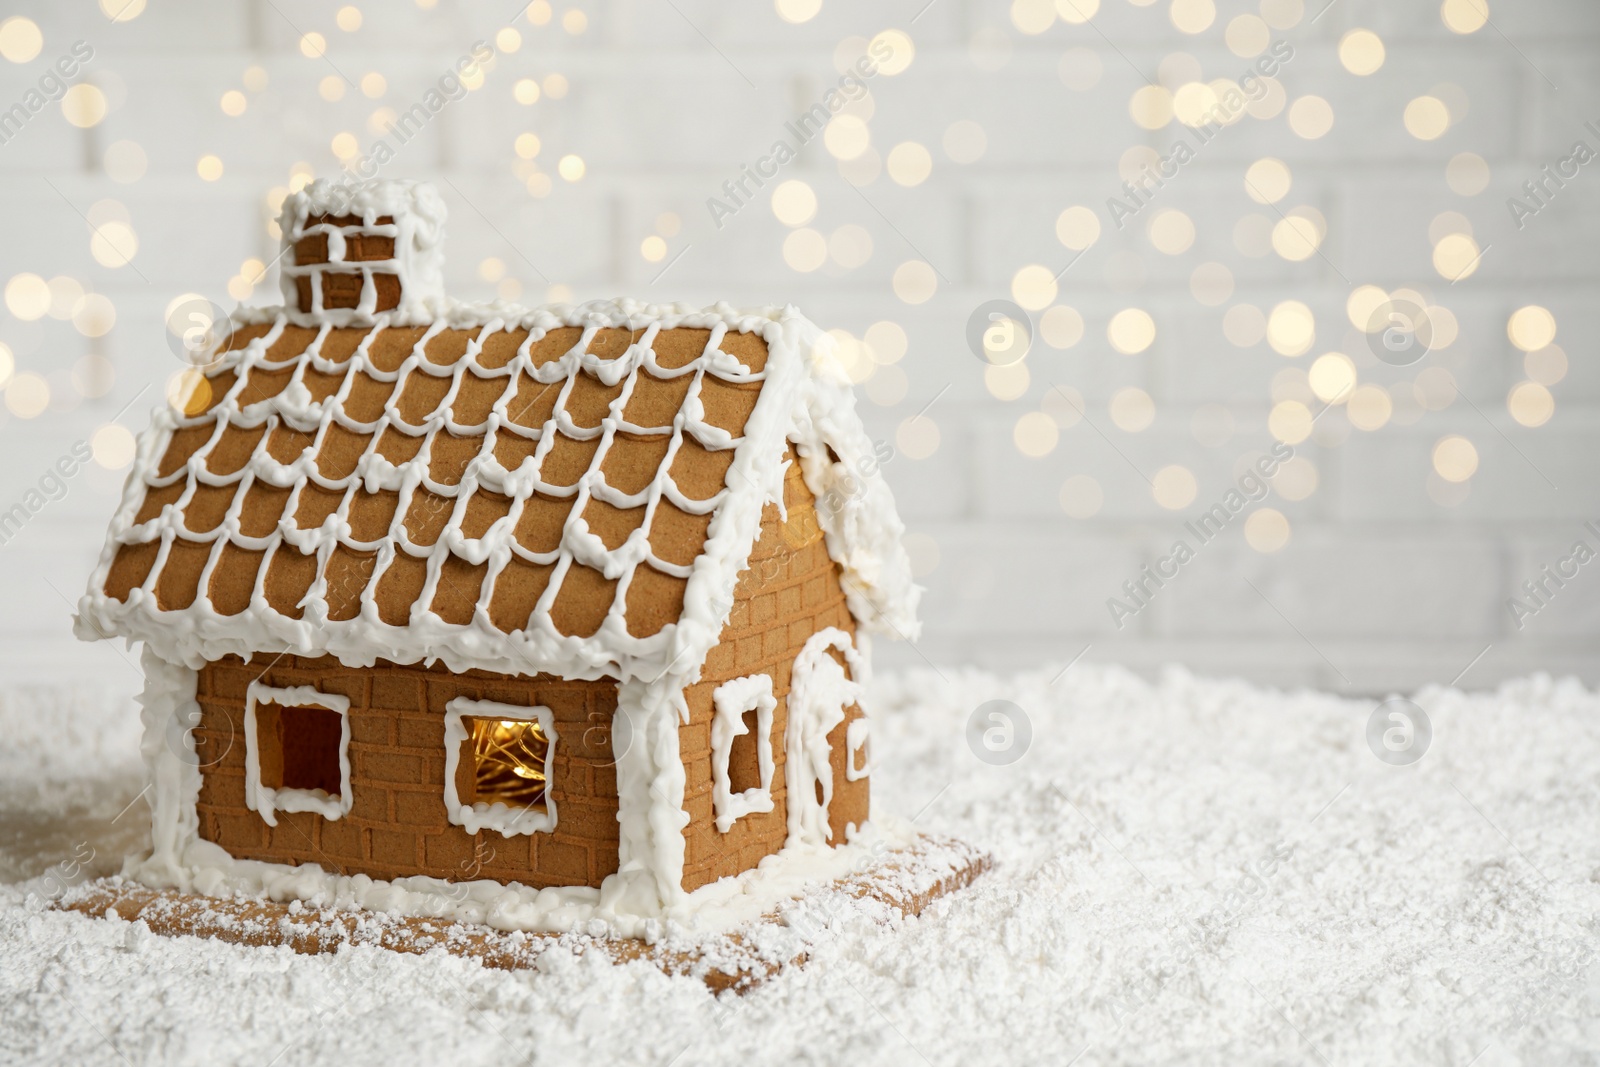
[904,881]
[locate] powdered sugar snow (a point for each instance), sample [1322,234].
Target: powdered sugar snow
[1186,870]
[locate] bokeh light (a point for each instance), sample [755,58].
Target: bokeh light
[1455,459]
[1266,530]
[1131,331]
[1132,410]
[1174,487]
[1531,328]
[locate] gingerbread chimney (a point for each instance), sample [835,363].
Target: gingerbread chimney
[354,250]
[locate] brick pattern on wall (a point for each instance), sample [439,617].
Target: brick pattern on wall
[790,591]
[398,825]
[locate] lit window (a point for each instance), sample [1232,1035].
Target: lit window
[497,760]
[741,749]
[297,752]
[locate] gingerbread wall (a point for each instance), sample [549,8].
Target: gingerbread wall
[397,825]
[790,591]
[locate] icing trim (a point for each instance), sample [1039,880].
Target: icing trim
[732,699]
[500,817]
[819,692]
[268,801]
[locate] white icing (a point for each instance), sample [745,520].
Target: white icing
[732,699]
[169,712]
[858,754]
[418,232]
[267,800]
[500,817]
[862,534]
[819,693]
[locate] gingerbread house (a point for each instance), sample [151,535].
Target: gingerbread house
[566,609]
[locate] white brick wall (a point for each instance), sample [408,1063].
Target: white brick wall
[1383,587]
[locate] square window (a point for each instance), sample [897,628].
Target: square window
[498,759]
[297,751]
[741,749]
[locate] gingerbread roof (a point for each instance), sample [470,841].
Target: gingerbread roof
[571,490]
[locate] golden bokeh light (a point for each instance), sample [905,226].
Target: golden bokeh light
[1195,104]
[1296,479]
[313,45]
[571,168]
[1454,458]
[1172,232]
[1061,326]
[1369,407]
[1283,14]
[1032,17]
[348,18]
[1464,16]
[1361,51]
[113,244]
[797,11]
[20,39]
[1297,235]
[805,249]
[846,137]
[1547,366]
[28,296]
[331,88]
[1033,287]
[1211,284]
[1064,404]
[574,21]
[1035,434]
[113,446]
[964,141]
[915,281]
[1150,107]
[1363,303]
[794,203]
[525,91]
[1132,410]
[1247,36]
[1078,227]
[1531,328]
[1244,325]
[233,103]
[1289,421]
[1077,12]
[1291,328]
[1193,16]
[27,395]
[1081,496]
[850,246]
[1530,404]
[1266,530]
[1268,180]
[1456,256]
[1467,174]
[209,168]
[1131,331]
[84,105]
[1174,487]
[909,164]
[886,342]
[1310,117]
[1427,118]
[1007,382]
[917,438]
[897,45]
[1332,377]
[653,249]
[527,145]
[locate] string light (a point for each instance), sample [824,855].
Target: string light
[509,761]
